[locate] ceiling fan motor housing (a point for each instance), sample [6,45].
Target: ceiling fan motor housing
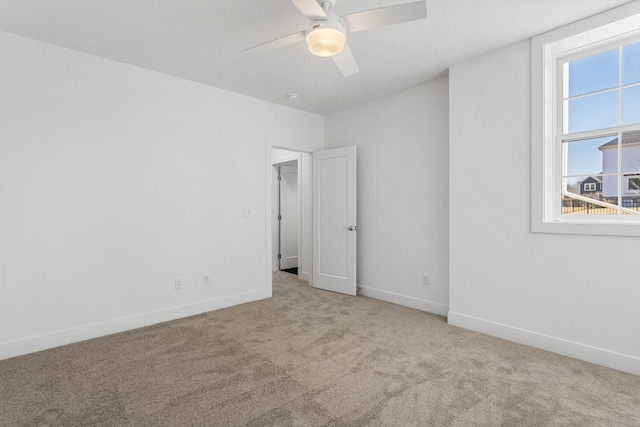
[326,36]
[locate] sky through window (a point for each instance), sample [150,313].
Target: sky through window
[595,87]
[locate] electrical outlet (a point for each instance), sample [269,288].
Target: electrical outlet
[247,212]
[425,279]
[178,283]
[206,279]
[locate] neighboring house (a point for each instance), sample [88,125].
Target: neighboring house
[591,186]
[630,166]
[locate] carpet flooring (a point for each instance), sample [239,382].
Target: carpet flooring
[310,358]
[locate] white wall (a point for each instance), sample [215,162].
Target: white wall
[402,178]
[283,156]
[573,294]
[114,181]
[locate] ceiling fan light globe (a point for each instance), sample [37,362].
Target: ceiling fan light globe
[326,41]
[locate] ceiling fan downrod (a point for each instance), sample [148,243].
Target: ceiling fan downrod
[327,4]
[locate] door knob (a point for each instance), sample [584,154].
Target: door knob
[352,228]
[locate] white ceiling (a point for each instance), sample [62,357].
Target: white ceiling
[202,40]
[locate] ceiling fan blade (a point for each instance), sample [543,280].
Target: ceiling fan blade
[384,16]
[279,42]
[346,62]
[310,8]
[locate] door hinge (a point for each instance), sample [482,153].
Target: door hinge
[279,217]
[279,177]
[279,256]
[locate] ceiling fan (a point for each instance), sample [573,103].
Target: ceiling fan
[327,32]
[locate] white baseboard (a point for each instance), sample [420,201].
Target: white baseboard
[95,330]
[404,300]
[599,356]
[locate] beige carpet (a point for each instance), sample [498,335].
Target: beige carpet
[310,358]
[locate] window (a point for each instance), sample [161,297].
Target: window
[586,126]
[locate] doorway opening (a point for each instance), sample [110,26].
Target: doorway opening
[291,212]
[288,216]
[327,229]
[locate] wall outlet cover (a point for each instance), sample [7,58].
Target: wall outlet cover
[425,279]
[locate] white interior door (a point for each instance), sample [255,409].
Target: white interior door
[289,217]
[334,220]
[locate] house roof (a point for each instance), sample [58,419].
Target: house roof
[627,138]
[591,179]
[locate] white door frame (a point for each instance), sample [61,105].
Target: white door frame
[269,217]
[280,195]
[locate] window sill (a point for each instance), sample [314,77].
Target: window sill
[590,227]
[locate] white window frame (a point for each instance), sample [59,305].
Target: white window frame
[590,186]
[548,51]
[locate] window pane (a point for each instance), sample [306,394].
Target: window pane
[585,186]
[592,112]
[594,73]
[630,152]
[631,105]
[631,64]
[584,157]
